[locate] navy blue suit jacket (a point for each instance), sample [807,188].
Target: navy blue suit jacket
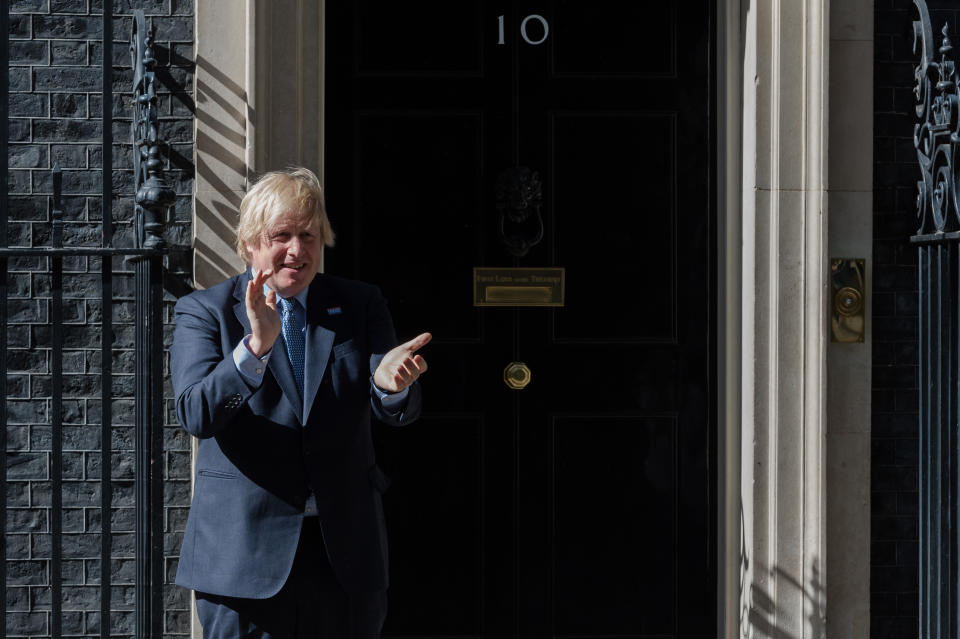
[262,449]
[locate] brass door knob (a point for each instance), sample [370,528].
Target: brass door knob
[516,375]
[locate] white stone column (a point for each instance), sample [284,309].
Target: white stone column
[259,91]
[729,111]
[287,73]
[784,321]
[221,137]
[849,366]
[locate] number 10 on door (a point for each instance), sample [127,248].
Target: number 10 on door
[523,29]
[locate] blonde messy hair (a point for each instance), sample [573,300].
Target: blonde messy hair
[294,191]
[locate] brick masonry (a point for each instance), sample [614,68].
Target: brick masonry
[55,110]
[895,454]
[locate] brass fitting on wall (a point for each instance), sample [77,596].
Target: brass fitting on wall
[847,317]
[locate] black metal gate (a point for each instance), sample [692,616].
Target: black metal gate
[153,199]
[937,140]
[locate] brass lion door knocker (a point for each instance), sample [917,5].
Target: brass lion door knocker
[519,199]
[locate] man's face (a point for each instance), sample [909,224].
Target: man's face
[292,249]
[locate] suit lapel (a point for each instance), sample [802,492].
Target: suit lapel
[279,362]
[319,341]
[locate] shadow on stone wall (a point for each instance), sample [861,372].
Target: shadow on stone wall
[760,616]
[221,171]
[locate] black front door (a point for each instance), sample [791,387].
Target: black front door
[582,504]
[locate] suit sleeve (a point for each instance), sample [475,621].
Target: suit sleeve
[209,389]
[381,337]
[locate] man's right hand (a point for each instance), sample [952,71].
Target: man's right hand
[262,314]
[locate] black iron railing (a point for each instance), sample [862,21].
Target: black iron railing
[937,140]
[153,199]
[4,191]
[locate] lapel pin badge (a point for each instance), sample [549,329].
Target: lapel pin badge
[334,310]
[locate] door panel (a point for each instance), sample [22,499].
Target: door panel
[601,466]
[427,37]
[435,517]
[579,506]
[417,208]
[638,39]
[614,212]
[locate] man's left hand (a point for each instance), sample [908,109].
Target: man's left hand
[401,366]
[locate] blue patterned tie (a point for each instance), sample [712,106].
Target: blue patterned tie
[293,336]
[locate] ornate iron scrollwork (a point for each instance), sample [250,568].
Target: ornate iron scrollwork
[519,200]
[154,196]
[936,133]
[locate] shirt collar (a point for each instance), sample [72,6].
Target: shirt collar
[300,297]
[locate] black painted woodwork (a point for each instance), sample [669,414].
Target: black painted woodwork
[582,505]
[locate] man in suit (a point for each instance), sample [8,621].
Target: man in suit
[276,371]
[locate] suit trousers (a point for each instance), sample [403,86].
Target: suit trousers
[312,603]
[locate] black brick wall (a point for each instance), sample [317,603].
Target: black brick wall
[55,110]
[894,479]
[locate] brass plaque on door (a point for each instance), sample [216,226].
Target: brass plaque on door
[493,286]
